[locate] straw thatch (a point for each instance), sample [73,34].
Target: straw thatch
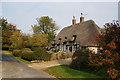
[85,32]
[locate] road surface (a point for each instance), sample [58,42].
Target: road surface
[12,68]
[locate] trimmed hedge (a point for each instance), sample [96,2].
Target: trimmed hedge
[27,54]
[5,47]
[41,53]
[35,53]
[17,53]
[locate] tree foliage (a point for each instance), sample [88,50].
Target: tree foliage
[26,41]
[39,40]
[110,43]
[35,29]
[7,30]
[45,25]
[3,28]
[16,39]
[20,41]
[3,23]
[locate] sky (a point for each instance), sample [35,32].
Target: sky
[119,11]
[24,14]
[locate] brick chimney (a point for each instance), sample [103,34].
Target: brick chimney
[81,18]
[73,20]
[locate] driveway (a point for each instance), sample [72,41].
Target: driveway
[44,65]
[12,68]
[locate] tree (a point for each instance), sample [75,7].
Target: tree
[3,24]
[16,39]
[26,41]
[109,40]
[46,25]
[5,35]
[3,27]
[7,30]
[35,29]
[39,40]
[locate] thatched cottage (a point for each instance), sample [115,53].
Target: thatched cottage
[76,36]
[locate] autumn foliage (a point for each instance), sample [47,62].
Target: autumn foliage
[109,40]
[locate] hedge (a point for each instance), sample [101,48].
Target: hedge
[27,54]
[17,53]
[40,53]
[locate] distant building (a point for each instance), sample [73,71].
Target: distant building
[76,36]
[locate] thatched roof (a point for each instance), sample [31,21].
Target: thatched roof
[85,32]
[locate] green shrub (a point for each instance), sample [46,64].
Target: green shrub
[27,54]
[40,53]
[17,53]
[80,59]
[5,47]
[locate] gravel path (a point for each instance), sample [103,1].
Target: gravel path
[44,65]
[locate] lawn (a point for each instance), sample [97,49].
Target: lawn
[18,58]
[63,72]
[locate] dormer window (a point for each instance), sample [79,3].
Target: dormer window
[74,37]
[65,39]
[60,40]
[53,41]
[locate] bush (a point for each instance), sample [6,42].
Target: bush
[93,61]
[17,53]
[27,54]
[80,59]
[5,47]
[41,53]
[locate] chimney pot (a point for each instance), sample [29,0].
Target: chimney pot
[81,18]
[73,20]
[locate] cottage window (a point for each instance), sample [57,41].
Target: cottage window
[70,48]
[74,37]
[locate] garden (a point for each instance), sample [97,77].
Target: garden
[85,64]
[104,65]
[32,47]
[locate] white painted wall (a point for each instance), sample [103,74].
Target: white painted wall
[93,49]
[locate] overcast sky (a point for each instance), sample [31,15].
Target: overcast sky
[24,14]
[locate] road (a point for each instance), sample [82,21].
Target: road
[12,68]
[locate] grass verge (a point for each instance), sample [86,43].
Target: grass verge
[63,72]
[18,58]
